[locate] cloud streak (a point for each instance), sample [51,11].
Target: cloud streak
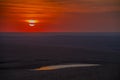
[62,15]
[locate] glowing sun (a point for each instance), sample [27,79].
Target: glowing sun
[32,22]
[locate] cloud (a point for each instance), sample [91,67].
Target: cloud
[93,5]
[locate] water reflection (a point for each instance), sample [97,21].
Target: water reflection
[54,67]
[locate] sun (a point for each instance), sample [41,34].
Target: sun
[32,22]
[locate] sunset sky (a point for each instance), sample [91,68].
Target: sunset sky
[60,15]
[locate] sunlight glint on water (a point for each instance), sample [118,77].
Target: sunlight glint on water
[54,67]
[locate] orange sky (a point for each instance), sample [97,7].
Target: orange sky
[60,15]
